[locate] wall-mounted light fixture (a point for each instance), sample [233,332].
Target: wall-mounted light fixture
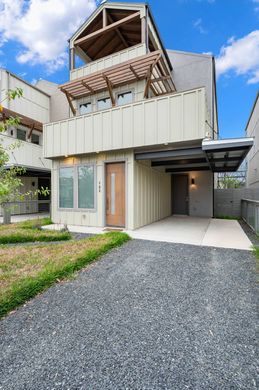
[193,181]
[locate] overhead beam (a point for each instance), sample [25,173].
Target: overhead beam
[106,29]
[84,56]
[118,31]
[173,170]
[134,72]
[104,17]
[169,153]
[178,162]
[88,87]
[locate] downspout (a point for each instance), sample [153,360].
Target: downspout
[212,94]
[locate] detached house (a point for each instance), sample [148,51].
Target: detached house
[141,142]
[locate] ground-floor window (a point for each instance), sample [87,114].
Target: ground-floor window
[66,187]
[86,187]
[77,187]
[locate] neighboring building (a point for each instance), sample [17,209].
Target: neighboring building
[33,109]
[141,140]
[252,130]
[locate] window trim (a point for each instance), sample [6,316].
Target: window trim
[86,102]
[66,208]
[121,93]
[95,189]
[75,207]
[103,98]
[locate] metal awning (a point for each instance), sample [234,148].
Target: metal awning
[226,155]
[216,156]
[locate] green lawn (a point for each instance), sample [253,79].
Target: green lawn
[30,231]
[27,270]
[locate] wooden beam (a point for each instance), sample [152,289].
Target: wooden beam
[149,74]
[69,99]
[134,72]
[104,17]
[118,31]
[108,28]
[88,87]
[162,78]
[84,56]
[31,130]
[72,59]
[109,86]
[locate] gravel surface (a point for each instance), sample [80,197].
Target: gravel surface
[148,315]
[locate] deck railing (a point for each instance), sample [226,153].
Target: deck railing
[250,213]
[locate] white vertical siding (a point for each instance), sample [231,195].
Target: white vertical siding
[95,217]
[152,194]
[166,119]
[25,154]
[105,62]
[253,156]
[33,104]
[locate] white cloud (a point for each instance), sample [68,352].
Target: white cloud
[42,27]
[197,24]
[241,56]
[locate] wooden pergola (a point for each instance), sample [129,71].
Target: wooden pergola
[24,120]
[150,67]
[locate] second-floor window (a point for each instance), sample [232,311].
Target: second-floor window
[124,98]
[21,134]
[103,104]
[85,108]
[35,139]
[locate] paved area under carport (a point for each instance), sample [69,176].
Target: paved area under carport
[148,315]
[221,233]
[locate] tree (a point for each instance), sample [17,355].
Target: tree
[10,180]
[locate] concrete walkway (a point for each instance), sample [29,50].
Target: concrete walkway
[149,315]
[26,217]
[220,233]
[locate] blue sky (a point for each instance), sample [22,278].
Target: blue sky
[36,49]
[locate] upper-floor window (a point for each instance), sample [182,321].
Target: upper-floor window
[85,108]
[35,139]
[103,104]
[124,98]
[21,134]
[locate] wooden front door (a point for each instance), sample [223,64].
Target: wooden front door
[115,194]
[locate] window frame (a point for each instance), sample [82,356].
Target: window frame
[86,102]
[24,131]
[37,135]
[124,92]
[103,98]
[66,208]
[75,207]
[77,186]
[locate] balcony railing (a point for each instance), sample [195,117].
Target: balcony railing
[166,119]
[105,62]
[26,154]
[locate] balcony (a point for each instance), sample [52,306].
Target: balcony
[165,119]
[26,154]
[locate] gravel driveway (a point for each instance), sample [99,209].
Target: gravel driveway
[149,315]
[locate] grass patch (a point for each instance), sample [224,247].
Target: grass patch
[228,217]
[256,253]
[28,270]
[30,231]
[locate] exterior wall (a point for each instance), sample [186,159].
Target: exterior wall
[137,90]
[252,130]
[34,103]
[96,217]
[201,194]
[26,154]
[152,194]
[228,202]
[191,70]
[166,119]
[114,59]
[59,108]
